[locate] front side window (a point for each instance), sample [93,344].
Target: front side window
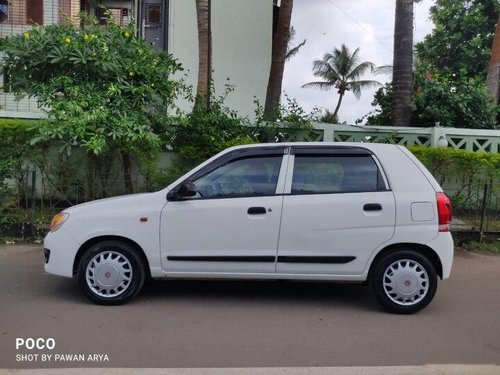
[316,174]
[256,176]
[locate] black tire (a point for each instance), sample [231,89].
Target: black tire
[417,279]
[121,263]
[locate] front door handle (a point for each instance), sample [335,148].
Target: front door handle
[256,211]
[372,207]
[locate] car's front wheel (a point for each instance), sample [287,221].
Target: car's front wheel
[404,281]
[111,272]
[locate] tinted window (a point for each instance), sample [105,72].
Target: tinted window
[335,174]
[241,178]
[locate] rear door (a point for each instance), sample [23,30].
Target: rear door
[337,209]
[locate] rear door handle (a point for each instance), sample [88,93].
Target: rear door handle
[256,211]
[372,207]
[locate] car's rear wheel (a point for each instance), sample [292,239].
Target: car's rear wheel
[111,272]
[404,281]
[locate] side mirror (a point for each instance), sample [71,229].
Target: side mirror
[184,191]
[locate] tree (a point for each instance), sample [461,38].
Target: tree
[292,51]
[203,17]
[279,50]
[462,37]
[341,70]
[451,69]
[402,63]
[493,77]
[104,89]
[444,99]
[452,101]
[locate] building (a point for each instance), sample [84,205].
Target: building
[241,39]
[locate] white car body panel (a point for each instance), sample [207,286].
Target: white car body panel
[223,228]
[308,225]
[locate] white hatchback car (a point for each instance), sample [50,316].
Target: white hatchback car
[300,211]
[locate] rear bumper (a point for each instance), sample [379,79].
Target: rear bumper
[444,248]
[61,249]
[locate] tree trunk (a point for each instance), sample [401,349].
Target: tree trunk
[339,103]
[204,52]
[127,172]
[280,42]
[403,63]
[494,67]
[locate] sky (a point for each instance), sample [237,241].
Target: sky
[326,24]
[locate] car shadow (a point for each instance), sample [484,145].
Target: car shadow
[279,292]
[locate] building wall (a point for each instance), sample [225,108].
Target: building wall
[241,47]
[16,24]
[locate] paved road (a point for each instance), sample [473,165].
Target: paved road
[248,324]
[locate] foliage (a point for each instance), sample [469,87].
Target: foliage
[342,70]
[204,132]
[462,37]
[105,89]
[445,99]
[288,117]
[14,150]
[491,247]
[449,82]
[328,117]
[382,102]
[291,51]
[452,101]
[14,146]
[470,168]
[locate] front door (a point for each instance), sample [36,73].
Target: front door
[232,224]
[154,22]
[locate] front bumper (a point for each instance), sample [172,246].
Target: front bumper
[62,250]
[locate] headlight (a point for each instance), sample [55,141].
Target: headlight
[58,220]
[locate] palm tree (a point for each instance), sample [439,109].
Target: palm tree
[292,51]
[279,49]
[204,52]
[403,63]
[341,70]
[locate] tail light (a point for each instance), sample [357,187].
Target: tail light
[444,212]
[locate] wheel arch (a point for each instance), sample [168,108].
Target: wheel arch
[425,250]
[91,242]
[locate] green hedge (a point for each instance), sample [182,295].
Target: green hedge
[477,166]
[15,128]
[463,174]
[14,141]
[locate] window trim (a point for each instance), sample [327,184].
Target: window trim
[238,154]
[330,150]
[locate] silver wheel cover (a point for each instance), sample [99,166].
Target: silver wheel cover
[108,274]
[406,282]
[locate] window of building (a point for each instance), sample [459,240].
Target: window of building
[34,12]
[153,14]
[4,10]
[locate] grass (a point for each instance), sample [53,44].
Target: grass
[491,247]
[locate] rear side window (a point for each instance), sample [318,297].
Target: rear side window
[316,174]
